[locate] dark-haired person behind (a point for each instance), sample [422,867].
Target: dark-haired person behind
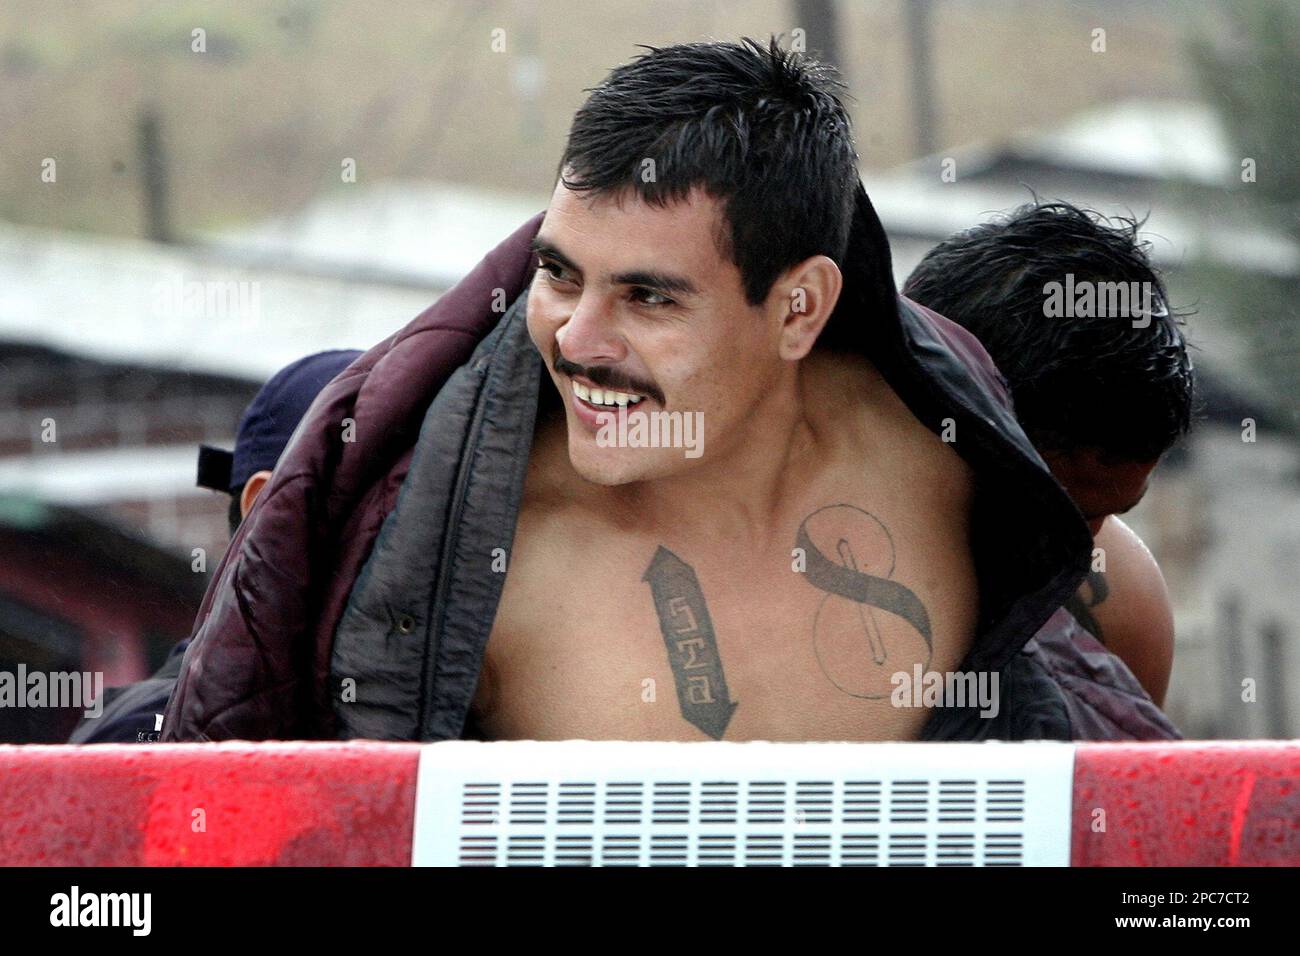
[131,714]
[1102,396]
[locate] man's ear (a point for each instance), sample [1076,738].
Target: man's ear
[806,294]
[252,488]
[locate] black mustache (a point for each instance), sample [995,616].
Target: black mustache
[605,377]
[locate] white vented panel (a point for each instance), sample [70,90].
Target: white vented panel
[613,803]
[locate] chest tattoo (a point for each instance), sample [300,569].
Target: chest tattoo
[868,627]
[692,646]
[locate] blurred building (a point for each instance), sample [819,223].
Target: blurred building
[79,592]
[119,357]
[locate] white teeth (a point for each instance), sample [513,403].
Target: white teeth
[605,396]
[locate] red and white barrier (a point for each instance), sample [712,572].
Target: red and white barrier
[355,803]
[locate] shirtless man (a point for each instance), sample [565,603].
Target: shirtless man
[860,504]
[619,550]
[1103,397]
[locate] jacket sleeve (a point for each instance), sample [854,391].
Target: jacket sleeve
[1103,699]
[130,713]
[241,678]
[257,666]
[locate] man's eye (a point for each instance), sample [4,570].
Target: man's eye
[547,267]
[652,295]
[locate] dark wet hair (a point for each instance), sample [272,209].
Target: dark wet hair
[763,131]
[1076,381]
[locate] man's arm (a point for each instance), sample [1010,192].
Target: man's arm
[1127,608]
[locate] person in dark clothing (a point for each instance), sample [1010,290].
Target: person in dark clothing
[132,714]
[1070,308]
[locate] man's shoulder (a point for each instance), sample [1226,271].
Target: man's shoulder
[1127,554]
[1134,614]
[1137,597]
[1102,697]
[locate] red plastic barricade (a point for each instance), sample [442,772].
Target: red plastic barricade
[309,804]
[1187,804]
[1197,804]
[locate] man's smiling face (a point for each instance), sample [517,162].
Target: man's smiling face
[636,299]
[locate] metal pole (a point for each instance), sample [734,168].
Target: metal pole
[1275,665]
[924,114]
[153,166]
[819,21]
[1234,722]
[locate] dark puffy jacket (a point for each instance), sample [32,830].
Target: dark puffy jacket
[357,598]
[131,713]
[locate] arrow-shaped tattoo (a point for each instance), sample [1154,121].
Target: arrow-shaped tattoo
[692,647]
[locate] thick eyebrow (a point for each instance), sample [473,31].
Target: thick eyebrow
[664,282]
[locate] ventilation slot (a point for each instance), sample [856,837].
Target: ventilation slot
[586,803]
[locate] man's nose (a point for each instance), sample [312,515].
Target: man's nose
[590,336]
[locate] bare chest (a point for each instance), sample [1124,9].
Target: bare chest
[675,637]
